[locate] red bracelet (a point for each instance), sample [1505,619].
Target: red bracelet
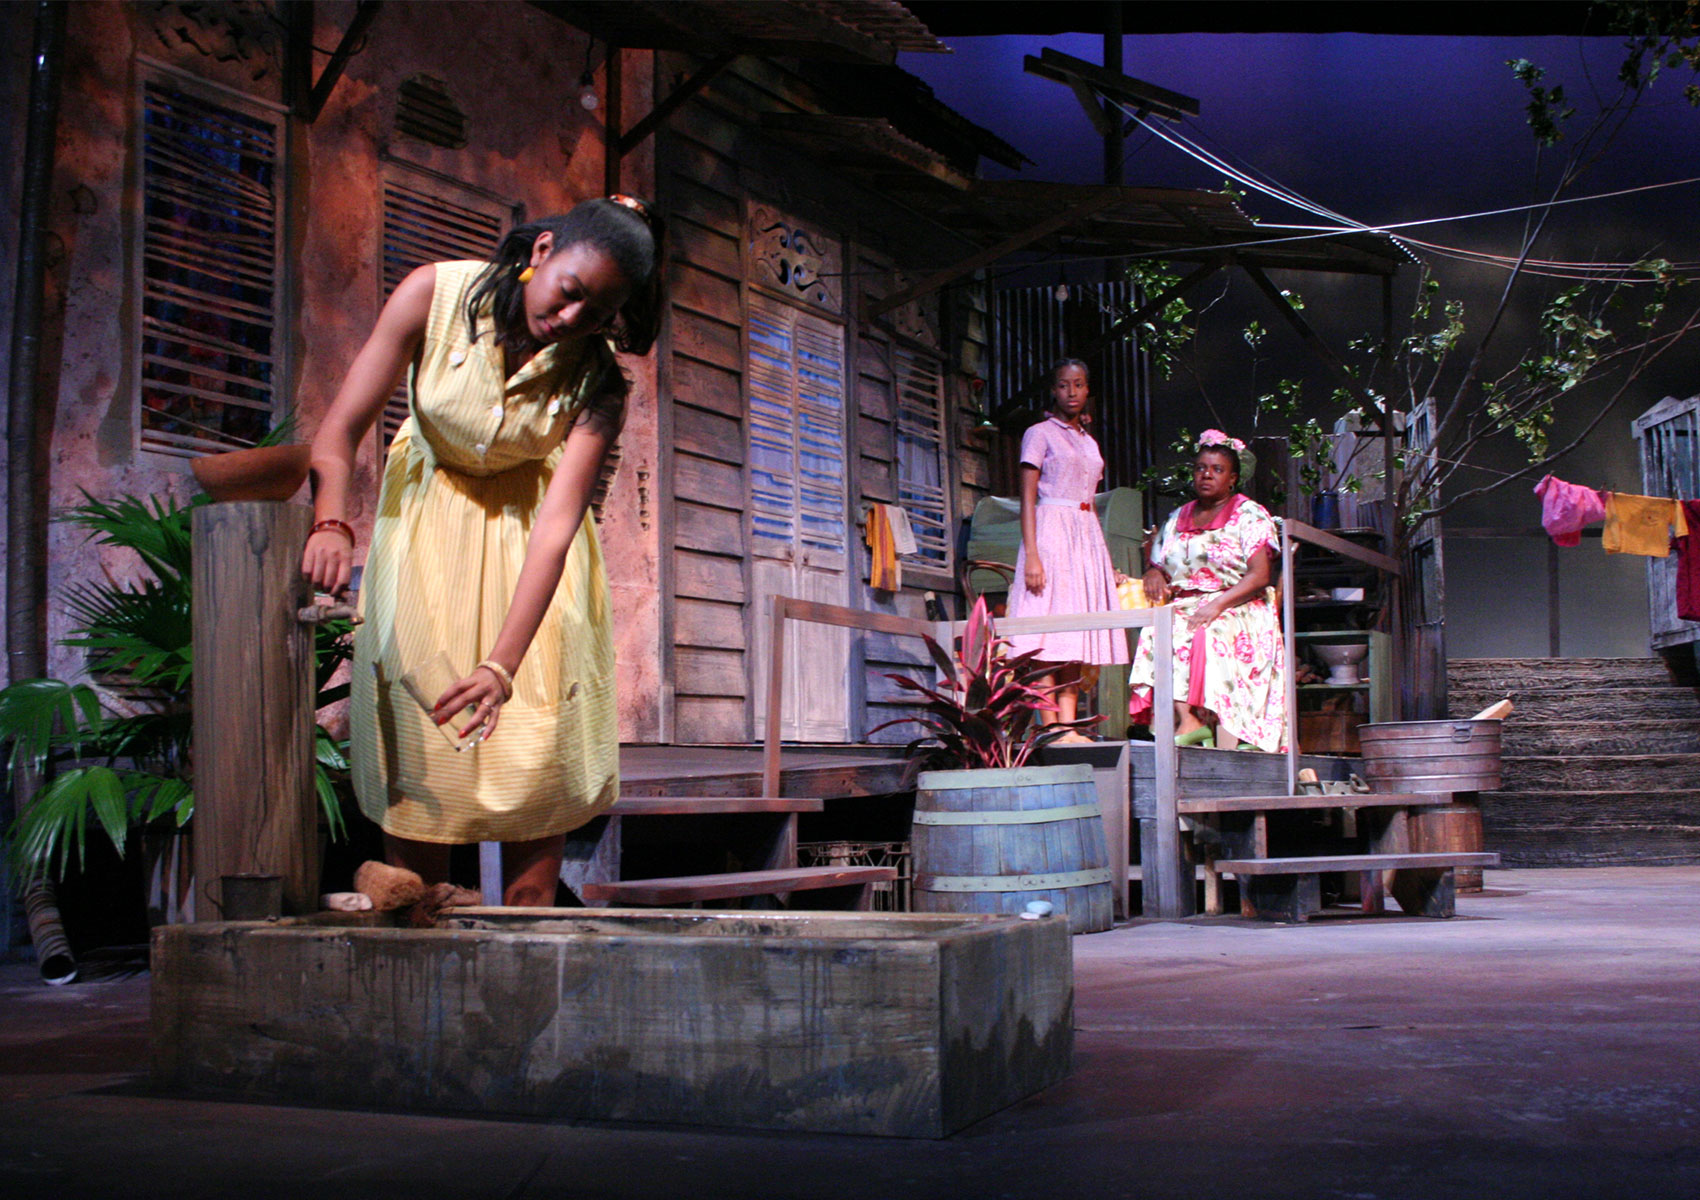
[331,523]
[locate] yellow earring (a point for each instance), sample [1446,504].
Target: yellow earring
[526,275]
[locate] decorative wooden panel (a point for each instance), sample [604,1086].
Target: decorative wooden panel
[210,351]
[793,260]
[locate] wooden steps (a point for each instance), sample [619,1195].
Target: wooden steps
[687,806]
[1626,773]
[691,889]
[1602,760]
[754,837]
[1594,828]
[1557,703]
[1234,804]
[1540,739]
[1517,674]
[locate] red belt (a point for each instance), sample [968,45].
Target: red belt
[1059,502]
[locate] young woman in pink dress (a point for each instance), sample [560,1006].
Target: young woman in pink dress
[1063,565]
[1212,561]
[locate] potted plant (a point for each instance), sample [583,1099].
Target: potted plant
[991,832]
[117,749]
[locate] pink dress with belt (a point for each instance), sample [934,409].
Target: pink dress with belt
[1079,577]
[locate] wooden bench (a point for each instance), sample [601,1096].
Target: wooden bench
[1193,805]
[1291,888]
[692,889]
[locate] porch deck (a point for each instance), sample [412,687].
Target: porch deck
[814,772]
[1126,774]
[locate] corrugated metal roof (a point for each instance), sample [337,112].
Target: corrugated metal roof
[849,30]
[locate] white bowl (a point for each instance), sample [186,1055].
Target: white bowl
[1342,661]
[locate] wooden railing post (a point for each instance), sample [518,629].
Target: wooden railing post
[253,703]
[775,698]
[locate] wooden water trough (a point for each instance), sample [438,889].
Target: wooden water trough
[903,1025]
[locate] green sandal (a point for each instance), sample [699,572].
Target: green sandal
[1202,736]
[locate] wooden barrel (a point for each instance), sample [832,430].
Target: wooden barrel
[1457,757]
[991,841]
[1458,826]
[1431,756]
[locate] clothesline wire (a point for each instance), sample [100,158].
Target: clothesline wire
[1348,225]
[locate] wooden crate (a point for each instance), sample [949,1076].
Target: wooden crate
[903,1025]
[1330,732]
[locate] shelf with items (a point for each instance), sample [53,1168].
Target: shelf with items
[1337,587]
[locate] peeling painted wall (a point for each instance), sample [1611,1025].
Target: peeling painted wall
[512,69]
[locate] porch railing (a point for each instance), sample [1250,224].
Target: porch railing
[1165,783]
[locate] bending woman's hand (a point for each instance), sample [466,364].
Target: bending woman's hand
[1035,576]
[328,561]
[483,693]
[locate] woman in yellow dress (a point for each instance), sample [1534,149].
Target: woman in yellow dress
[485,585]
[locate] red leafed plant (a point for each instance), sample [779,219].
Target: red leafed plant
[986,710]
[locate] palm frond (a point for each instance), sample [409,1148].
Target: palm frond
[156,528]
[44,719]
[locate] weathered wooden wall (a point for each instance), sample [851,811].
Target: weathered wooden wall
[715,163]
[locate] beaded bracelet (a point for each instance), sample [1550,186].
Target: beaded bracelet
[331,523]
[501,673]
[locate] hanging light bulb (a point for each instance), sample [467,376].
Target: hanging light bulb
[587,91]
[1062,292]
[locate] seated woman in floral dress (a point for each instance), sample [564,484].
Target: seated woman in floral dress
[1212,561]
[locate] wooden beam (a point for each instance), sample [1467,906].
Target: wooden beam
[364,13]
[701,78]
[616,88]
[1147,97]
[932,283]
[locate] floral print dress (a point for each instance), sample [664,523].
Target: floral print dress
[1234,666]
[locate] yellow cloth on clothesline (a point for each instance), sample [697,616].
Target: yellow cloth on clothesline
[883,571]
[1641,524]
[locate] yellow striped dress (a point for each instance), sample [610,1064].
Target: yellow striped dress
[462,485]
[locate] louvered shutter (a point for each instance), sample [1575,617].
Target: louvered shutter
[797,484]
[209,356]
[920,454]
[423,225]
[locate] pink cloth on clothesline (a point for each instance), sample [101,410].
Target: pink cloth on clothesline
[1566,508]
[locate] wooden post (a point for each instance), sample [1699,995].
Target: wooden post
[253,703]
[775,698]
[614,84]
[1289,647]
[1166,884]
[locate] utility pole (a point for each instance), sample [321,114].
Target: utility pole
[1114,126]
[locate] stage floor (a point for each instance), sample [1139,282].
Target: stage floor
[1540,1046]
